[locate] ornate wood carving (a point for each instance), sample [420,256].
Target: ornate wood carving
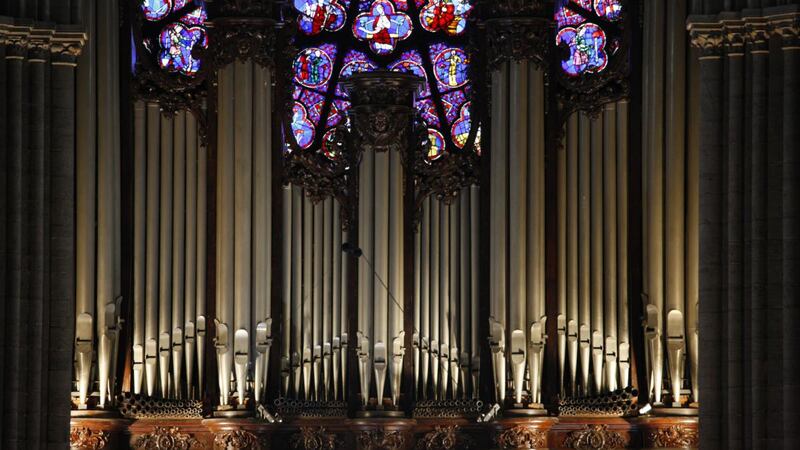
[674,436]
[164,438]
[521,436]
[83,438]
[381,440]
[240,440]
[309,438]
[445,438]
[517,39]
[594,437]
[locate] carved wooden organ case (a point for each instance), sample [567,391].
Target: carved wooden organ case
[343,210]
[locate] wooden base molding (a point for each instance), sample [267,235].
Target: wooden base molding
[578,433]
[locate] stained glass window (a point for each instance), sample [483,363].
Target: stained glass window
[427,38]
[590,31]
[171,31]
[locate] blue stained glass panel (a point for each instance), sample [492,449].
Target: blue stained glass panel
[427,110]
[177,41]
[411,62]
[449,16]
[317,16]
[566,16]
[610,9]
[586,49]
[450,66]
[313,67]
[462,126]
[156,9]
[382,26]
[436,141]
[302,128]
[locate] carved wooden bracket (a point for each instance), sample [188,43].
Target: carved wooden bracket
[309,438]
[83,438]
[240,440]
[673,436]
[445,438]
[521,436]
[382,440]
[163,438]
[594,437]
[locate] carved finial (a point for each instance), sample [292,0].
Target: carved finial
[83,438]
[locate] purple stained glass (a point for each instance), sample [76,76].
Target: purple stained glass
[329,147]
[452,102]
[177,41]
[156,9]
[449,16]
[313,67]
[317,16]
[610,9]
[302,128]
[450,65]
[586,49]
[197,17]
[462,126]
[436,144]
[427,109]
[310,100]
[382,26]
[411,62]
[565,16]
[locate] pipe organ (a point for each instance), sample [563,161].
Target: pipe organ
[169,322]
[593,310]
[518,321]
[243,327]
[380,338]
[314,339]
[446,340]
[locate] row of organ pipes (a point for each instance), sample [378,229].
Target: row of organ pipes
[446,338]
[170,323]
[169,320]
[314,338]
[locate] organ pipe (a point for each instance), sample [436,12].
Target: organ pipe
[434,301]
[380,356]
[338,306]
[261,322]
[178,250]
[474,264]
[307,322]
[165,256]
[425,304]
[151,250]
[396,281]
[610,245]
[597,324]
[518,171]
[365,274]
[287,288]
[202,177]
[562,266]
[622,245]
[327,286]
[464,266]
[298,300]
[444,299]
[190,312]
[139,236]
[573,318]
[498,217]
[584,255]
[225,231]
[242,239]
[317,300]
[453,297]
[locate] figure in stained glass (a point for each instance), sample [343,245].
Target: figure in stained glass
[156,9]
[586,46]
[302,128]
[462,126]
[567,12]
[382,27]
[436,144]
[320,15]
[313,67]
[610,9]
[450,67]
[177,41]
[449,16]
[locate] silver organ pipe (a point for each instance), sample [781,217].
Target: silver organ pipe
[298,203]
[287,288]
[336,298]
[562,266]
[191,276]
[425,295]
[417,305]
[584,239]
[573,317]
[464,267]
[396,279]
[151,275]
[261,321]
[624,354]
[202,320]
[610,245]
[380,350]
[366,291]
[435,327]
[164,338]
[498,229]
[596,322]
[307,322]
[444,299]
[327,297]
[178,251]
[474,239]
[317,300]
[139,236]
